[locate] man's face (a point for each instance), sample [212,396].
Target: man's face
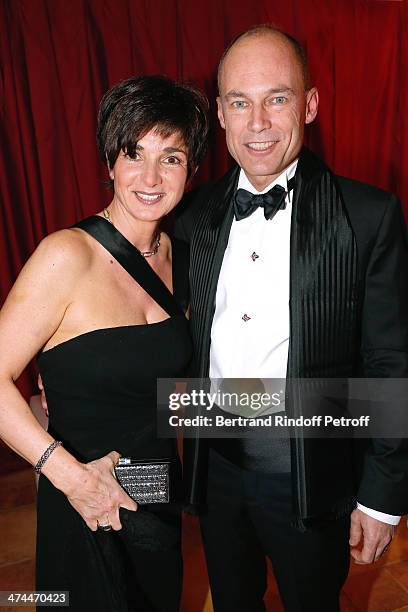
[263,106]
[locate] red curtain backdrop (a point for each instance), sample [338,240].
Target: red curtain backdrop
[58,57]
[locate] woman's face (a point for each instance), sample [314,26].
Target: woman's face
[150,185]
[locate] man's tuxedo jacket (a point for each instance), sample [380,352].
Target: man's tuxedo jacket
[343,323]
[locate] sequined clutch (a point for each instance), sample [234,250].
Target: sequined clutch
[147,482]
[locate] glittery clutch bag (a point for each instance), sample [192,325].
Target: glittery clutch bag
[146,482]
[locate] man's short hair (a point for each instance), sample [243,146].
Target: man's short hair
[263,29]
[131,108]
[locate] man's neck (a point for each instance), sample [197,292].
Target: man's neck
[282,179]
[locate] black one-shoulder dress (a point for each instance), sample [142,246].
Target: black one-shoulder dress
[101,394]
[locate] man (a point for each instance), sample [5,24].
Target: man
[317,289]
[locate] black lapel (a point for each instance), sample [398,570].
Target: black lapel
[323,265]
[208,245]
[323,309]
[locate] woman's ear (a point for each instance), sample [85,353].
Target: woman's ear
[110,170]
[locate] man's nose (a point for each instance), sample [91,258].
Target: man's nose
[259,119]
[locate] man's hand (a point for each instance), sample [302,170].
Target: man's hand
[374,535]
[43,398]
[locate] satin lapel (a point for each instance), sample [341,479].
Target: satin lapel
[323,310]
[208,245]
[323,275]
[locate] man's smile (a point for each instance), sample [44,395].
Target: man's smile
[261,146]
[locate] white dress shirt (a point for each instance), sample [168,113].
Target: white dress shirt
[256,347]
[250,329]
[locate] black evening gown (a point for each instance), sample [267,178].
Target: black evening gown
[101,394]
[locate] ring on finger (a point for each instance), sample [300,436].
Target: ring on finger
[104,526]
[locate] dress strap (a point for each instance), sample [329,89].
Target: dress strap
[131,260]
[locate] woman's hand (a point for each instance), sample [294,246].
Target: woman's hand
[98,496]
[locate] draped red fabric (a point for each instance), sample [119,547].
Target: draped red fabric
[58,58]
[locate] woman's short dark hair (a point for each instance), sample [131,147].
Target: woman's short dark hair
[130,109]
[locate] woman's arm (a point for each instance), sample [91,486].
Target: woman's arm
[32,313]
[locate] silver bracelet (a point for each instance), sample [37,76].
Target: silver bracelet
[39,465]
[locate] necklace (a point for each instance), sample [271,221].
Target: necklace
[155,248]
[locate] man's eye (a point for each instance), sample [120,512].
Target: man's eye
[239,104]
[279,100]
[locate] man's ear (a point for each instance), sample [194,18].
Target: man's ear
[220,113]
[312,104]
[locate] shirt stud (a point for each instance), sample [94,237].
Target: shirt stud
[245,318]
[254,256]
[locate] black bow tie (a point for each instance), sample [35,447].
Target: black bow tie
[245,202]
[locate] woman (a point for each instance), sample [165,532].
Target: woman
[105,338]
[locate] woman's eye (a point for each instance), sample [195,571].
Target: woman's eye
[133,157]
[172,160]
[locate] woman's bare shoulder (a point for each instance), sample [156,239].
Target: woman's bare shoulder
[60,260]
[71,248]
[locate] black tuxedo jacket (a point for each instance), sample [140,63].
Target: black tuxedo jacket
[348,317]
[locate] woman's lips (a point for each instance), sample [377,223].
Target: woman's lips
[148,198]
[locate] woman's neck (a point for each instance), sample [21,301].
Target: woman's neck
[142,234]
